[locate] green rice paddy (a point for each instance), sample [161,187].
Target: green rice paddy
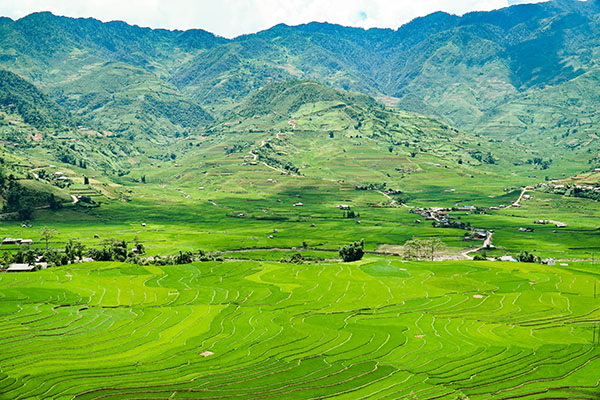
[377,328]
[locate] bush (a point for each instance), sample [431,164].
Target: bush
[25,213]
[353,251]
[525,256]
[294,259]
[479,257]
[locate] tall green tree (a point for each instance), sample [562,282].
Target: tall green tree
[47,234]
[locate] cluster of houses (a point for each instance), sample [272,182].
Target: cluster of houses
[13,241]
[26,267]
[442,219]
[59,176]
[557,187]
[22,267]
[546,222]
[543,222]
[441,214]
[476,234]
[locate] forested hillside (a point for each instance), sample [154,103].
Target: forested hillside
[524,75]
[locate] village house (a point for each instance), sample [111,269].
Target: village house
[21,267]
[525,229]
[507,258]
[10,240]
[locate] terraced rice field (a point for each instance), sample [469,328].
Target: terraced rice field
[245,329]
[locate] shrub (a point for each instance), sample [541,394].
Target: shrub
[525,256]
[353,251]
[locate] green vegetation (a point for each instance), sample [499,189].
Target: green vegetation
[353,251]
[269,329]
[125,150]
[422,249]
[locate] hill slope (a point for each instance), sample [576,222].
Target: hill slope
[22,100]
[306,128]
[470,70]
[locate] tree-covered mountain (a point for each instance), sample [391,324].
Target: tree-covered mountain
[525,72]
[20,101]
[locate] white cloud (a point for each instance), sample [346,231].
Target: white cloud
[231,18]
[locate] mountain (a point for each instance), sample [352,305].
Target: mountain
[524,74]
[112,75]
[125,99]
[307,128]
[21,102]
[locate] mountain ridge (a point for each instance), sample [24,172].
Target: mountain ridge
[468,71]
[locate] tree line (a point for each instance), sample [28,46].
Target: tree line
[110,250]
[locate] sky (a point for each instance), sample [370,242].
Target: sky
[230,18]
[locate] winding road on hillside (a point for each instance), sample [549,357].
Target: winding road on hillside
[392,201]
[523,191]
[487,243]
[36,176]
[255,157]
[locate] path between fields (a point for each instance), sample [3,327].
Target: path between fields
[300,250]
[36,176]
[392,201]
[255,157]
[523,191]
[487,243]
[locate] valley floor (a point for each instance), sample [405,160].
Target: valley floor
[375,328]
[254,326]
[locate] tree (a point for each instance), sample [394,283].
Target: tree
[47,234]
[119,250]
[79,249]
[525,256]
[86,180]
[25,213]
[184,257]
[433,246]
[54,203]
[353,251]
[417,249]
[5,259]
[140,248]
[74,250]
[30,257]
[413,249]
